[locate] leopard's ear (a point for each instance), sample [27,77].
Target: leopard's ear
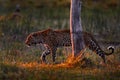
[48,31]
[35,34]
[30,36]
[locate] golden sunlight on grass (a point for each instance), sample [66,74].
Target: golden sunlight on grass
[69,62]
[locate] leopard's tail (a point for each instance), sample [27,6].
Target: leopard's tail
[110,48]
[102,53]
[95,47]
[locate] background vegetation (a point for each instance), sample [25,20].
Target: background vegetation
[17,62]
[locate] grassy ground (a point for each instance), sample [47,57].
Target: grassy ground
[35,71]
[17,62]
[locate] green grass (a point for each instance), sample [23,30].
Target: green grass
[25,65]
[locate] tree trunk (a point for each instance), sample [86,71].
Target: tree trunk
[76,27]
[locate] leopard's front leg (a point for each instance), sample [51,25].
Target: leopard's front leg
[53,54]
[44,54]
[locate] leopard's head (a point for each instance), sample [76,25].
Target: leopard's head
[38,37]
[33,39]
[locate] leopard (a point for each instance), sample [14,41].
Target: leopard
[52,39]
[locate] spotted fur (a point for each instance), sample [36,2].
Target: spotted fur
[52,39]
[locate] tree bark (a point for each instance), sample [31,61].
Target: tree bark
[76,27]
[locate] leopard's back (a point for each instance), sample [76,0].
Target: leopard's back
[62,38]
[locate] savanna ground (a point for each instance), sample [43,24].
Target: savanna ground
[17,62]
